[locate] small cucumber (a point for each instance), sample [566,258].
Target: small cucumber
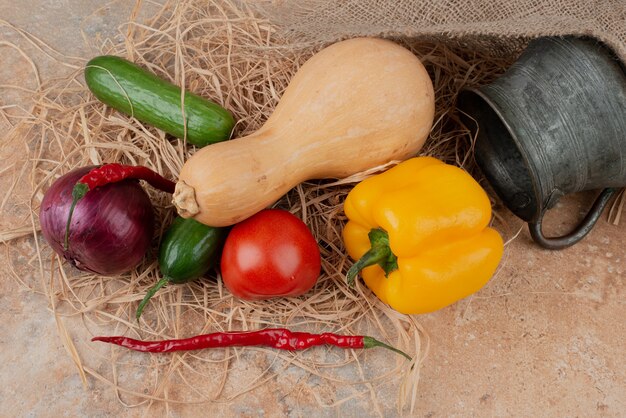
[130,89]
[188,250]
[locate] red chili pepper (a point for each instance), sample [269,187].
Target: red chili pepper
[113,173]
[279,338]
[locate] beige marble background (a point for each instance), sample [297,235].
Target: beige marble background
[546,337]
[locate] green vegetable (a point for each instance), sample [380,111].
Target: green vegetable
[136,92]
[188,250]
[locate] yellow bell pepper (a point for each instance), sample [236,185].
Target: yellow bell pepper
[420,234]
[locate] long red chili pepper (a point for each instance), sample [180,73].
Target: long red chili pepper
[113,173]
[279,338]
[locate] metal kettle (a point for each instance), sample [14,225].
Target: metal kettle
[553,124]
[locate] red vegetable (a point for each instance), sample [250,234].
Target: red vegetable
[111,228]
[113,173]
[270,254]
[279,338]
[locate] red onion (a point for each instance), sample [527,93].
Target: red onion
[111,228]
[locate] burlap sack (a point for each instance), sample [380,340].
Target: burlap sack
[498,26]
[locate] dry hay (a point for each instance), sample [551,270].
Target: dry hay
[221,51]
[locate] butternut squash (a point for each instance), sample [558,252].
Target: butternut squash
[352,106]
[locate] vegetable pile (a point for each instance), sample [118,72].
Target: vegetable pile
[354,106]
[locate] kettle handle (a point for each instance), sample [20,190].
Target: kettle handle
[558,243]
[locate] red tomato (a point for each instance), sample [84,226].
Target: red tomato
[270,254]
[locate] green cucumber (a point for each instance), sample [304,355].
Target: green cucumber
[130,89]
[188,250]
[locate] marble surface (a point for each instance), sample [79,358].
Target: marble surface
[546,337]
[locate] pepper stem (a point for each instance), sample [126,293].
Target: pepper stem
[369,342]
[78,192]
[379,253]
[149,294]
